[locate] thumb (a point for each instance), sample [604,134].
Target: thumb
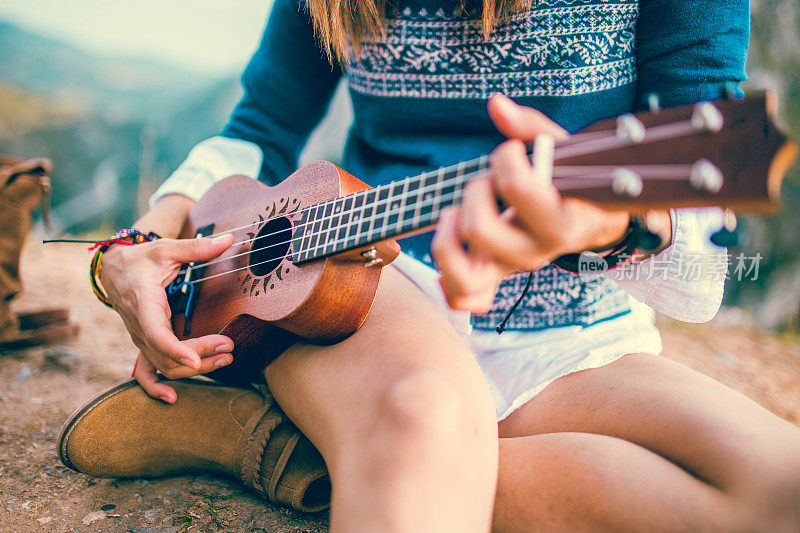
[519,122]
[203,249]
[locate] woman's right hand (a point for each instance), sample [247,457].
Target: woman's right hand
[134,278]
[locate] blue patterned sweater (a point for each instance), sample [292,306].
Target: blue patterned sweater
[419,98]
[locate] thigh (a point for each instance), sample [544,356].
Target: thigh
[335,393]
[694,421]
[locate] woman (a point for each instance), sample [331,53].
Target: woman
[595,432]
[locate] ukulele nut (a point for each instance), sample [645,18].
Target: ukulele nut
[630,129]
[706,117]
[705,176]
[626,182]
[370,258]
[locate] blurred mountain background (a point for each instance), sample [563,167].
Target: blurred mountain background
[116,125]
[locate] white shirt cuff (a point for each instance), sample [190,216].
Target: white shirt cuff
[209,162]
[686,280]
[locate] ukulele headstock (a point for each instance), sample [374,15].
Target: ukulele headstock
[726,153]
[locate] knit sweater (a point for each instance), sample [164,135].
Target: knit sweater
[419,97]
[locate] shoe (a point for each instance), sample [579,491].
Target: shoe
[32,329]
[123,432]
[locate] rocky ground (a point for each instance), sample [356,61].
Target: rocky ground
[40,387]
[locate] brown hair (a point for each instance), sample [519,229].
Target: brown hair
[336,21]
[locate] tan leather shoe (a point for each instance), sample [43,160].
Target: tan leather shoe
[123,432]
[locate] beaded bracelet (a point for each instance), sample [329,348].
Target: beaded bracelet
[127,237]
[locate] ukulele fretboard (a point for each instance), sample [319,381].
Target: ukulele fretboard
[384,212]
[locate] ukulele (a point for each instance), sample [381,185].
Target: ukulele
[308,252]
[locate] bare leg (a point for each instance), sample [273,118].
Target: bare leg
[402,415]
[646,444]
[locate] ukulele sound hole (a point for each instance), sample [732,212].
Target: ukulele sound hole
[270,246]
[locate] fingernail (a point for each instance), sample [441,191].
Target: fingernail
[223,348]
[222,361]
[220,239]
[188,361]
[166,398]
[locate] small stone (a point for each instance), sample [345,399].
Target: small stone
[44,520]
[25,372]
[151,515]
[92,517]
[26,505]
[108,507]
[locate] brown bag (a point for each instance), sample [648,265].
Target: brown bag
[23,184]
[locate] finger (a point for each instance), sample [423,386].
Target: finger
[208,364]
[538,204]
[460,274]
[189,250]
[479,302]
[154,322]
[145,375]
[519,122]
[210,345]
[487,231]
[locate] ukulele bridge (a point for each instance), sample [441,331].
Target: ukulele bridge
[183,291]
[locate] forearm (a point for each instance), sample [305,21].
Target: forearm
[167,216]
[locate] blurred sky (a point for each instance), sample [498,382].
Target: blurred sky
[215,36]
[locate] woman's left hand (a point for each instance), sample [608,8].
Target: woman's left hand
[476,246]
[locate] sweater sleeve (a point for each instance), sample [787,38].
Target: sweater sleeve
[687,51]
[288,85]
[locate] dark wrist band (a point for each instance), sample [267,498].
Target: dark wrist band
[636,236]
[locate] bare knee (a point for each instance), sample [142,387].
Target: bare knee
[425,407]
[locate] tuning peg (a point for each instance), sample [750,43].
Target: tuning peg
[653,102]
[727,236]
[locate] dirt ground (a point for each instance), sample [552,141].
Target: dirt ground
[40,387]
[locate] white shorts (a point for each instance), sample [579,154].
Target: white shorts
[520,364]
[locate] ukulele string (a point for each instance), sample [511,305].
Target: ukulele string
[386,201]
[575,145]
[578,139]
[600,181]
[650,172]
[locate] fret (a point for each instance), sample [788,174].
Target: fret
[355,219]
[402,207]
[437,191]
[426,202]
[321,230]
[301,250]
[419,194]
[333,226]
[381,205]
[344,220]
[393,209]
[410,193]
[367,218]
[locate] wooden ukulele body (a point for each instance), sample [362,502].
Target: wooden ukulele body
[265,306]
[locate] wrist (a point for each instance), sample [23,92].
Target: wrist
[614,228]
[167,217]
